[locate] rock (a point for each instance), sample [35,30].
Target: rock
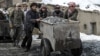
[91,48]
[61,53]
[54,20]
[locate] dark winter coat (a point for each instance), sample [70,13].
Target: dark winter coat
[43,14]
[4,25]
[2,16]
[17,18]
[72,16]
[58,13]
[31,17]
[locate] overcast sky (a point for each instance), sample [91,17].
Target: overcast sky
[83,3]
[66,1]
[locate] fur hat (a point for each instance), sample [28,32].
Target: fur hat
[24,3]
[33,4]
[57,7]
[18,4]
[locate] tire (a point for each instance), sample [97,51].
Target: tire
[77,51]
[43,51]
[45,47]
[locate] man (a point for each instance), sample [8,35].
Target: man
[2,26]
[43,12]
[32,19]
[25,10]
[71,13]
[17,18]
[57,12]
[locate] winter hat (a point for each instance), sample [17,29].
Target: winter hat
[33,4]
[57,7]
[24,3]
[18,4]
[72,4]
[43,7]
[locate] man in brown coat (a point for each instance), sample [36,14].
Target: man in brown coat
[17,18]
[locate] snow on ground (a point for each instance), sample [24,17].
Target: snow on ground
[35,39]
[85,37]
[91,45]
[5,12]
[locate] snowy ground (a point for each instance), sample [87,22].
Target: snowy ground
[85,37]
[91,45]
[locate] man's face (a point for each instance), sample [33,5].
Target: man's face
[43,9]
[57,9]
[18,7]
[34,7]
[72,7]
[24,6]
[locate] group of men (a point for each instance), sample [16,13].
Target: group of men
[24,18]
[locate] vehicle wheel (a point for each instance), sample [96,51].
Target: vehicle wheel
[43,51]
[45,47]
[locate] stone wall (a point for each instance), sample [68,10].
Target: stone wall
[5,3]
[87,18]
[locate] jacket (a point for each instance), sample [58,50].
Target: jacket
[58,13]
[43,14]
[31,17]
[72,16]
[17,18]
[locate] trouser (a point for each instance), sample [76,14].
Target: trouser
[28,39]
[37,25]
[17,34]
[77,51]
[2,32]
[23,32]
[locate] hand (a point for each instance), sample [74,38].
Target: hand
[41,18]
[33,20]
[11,26]
[37,19]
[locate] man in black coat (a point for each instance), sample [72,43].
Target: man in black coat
[57,12]
[2,28]
[43,12]
[32,19]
